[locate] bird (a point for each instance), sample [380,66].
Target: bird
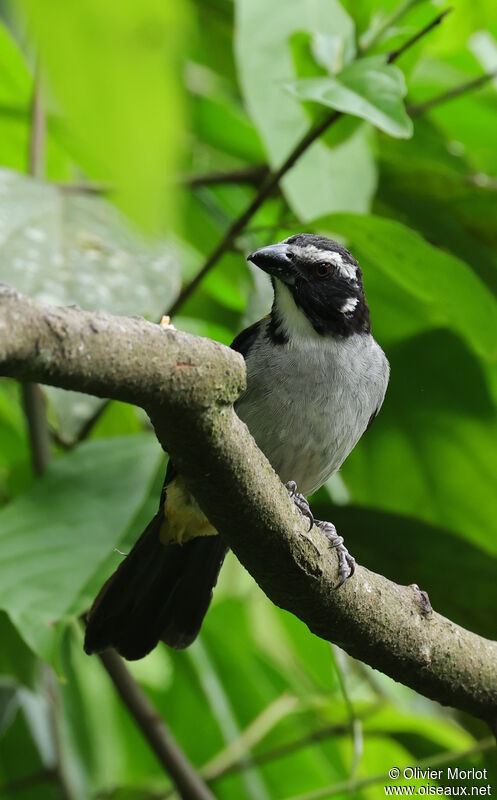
[316,380]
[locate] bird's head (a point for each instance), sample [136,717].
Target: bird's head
[317,285]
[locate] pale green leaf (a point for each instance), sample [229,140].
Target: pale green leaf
[445,290]
[115,76]
[368,88]
[324,179]
[62,247]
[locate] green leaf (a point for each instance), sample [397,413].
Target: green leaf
[223,125]
[116,80]
[408,550]
[431,190]
[368,88]
[17,661]
[324,179]
[16,88]
[444,289]
[468,121]
[432,450]
[54,537]
[62,247]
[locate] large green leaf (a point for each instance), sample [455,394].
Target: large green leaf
[116,77]
[439,288]
[407,550]
[324,179]
[54,537]
[433,191]
[16,87]
[368,88]
[63,247]
[431,452]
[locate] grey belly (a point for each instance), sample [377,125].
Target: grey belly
[298,448]
[306,420]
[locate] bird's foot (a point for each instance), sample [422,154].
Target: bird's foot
[346,562]
[300,501]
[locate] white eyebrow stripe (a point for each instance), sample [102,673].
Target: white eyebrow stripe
[312,253]
[349,305]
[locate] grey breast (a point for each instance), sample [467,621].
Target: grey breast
[307,403]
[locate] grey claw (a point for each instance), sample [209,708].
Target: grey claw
[346,562]
[300,502]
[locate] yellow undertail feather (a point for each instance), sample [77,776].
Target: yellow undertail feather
[183,517]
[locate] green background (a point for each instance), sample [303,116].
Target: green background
[139,99]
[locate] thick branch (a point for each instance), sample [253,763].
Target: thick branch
[188,384]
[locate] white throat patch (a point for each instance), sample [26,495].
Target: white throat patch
[293,323]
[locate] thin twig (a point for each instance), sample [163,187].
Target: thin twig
[33,399]
[84,187]
[65,785]
[395,54]
[283,750]
[38,432]
[159,737]
[355,723]
[253,174]
[346,787]
[373,35]
[274,178]
[451,94]
[21,784]
[38,132]
[222,765]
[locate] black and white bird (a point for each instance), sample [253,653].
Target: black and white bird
[316,379]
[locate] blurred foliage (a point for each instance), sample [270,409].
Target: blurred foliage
[140,97]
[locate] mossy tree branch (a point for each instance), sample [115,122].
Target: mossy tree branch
[188,385]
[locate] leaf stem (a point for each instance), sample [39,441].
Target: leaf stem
[374,34]
[451,94]
[395,54]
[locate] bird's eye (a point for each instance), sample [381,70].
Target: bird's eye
[322,270]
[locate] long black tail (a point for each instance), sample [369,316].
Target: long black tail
[157,592]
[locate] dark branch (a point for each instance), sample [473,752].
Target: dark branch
[188,783]
[253,174]
[395,54]
[417,109]
[33,400]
